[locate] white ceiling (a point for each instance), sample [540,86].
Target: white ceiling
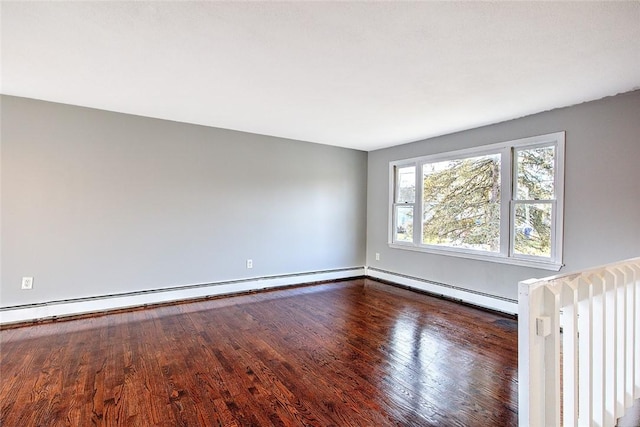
[362,75]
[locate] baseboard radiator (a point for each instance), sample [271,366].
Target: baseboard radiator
[456,293]
[102,303]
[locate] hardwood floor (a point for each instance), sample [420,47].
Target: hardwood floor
[353,353]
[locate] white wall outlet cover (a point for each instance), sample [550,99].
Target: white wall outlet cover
[249,263]
[27,282]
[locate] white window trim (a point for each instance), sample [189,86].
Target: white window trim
[507,209]
[394,188]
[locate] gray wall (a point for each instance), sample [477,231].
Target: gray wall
[96,203]
[602,194]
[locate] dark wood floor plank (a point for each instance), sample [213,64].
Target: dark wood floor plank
[353,353]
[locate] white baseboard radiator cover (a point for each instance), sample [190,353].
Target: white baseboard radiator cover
[479,299]
[78,306]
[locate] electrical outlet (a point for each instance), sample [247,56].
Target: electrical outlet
[27,283]
[377,256]
[249,263]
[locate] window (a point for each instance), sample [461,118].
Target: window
[461,200]
[405,198]
[501,202]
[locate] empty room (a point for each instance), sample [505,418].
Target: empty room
[319,213]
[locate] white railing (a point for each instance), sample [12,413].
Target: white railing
[579,346]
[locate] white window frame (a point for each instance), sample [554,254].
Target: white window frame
[395,204]
[508,181]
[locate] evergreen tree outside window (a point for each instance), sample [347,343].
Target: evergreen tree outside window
[461,200]
[534,201]
[501,202]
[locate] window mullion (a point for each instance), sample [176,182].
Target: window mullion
[417,210]
[506,195]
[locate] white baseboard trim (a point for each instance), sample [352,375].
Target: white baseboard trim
[55,309]
[58,309]
[492,302]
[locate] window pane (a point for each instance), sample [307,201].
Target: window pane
[535,173]
[533,229]
[404,224]
[462,203]
[406,185]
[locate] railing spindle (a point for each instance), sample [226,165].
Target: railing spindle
[599,313]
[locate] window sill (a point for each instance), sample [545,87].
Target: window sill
[543,265]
